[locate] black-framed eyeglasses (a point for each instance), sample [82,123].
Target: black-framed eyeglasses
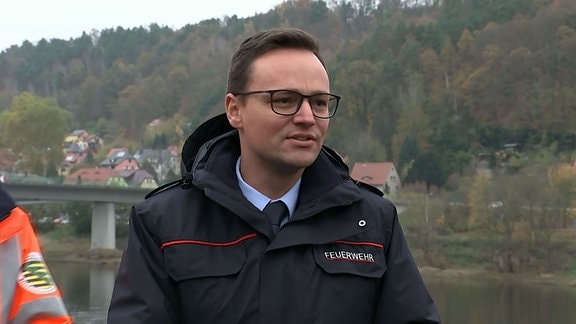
[288,102]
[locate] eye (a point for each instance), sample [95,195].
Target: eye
[286,99]
[319,101]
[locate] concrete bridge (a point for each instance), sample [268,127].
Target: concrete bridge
[103,234]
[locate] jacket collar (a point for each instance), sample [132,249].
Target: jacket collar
[210,153]
[207,131]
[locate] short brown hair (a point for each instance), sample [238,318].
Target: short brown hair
[259,44]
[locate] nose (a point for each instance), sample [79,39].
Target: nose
[304,114]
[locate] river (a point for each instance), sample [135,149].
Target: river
[87,290]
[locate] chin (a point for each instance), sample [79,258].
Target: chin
[298,160]
[301,163]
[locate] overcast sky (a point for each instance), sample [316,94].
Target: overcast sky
[33,20]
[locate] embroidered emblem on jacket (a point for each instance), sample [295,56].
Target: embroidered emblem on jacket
[34,275]
[349,256]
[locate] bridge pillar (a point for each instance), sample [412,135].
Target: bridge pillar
[103,226]
[101,286]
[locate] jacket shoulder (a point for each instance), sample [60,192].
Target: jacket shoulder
[374,198]
[367,187]
[165,187]
[170,195]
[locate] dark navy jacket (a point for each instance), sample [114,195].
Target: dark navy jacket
[199,252]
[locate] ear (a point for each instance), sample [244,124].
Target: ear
[232,104]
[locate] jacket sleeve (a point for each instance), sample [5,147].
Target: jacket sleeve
[143,291]
[404,297]
[35,298]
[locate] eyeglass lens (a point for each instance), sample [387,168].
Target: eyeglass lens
[287,102]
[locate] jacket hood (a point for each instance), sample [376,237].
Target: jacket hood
[219,125]
[208,130]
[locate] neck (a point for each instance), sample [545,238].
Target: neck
[271,183]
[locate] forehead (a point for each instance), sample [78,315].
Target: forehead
[288,68]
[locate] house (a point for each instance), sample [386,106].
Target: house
[162,161]
[95,142]
[70,160]
[120,159]
[75,154]
[76,136]
[110,177]
[92,176]
[138,178]
[77,146]
[382,175]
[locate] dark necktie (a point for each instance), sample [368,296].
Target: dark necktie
[276,211]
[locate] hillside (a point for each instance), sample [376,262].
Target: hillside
[429,85]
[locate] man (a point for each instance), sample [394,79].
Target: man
[28,293]
[206,249]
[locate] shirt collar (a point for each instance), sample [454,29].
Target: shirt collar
[259,200]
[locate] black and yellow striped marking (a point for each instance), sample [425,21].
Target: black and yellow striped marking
[34,275]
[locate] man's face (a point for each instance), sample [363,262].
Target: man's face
[271,142]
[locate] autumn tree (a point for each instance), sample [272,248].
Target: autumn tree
[35,127]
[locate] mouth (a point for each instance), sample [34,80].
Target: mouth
[302,137]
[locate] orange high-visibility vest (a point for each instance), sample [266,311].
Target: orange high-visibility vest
[28,293]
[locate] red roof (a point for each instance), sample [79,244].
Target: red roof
[372,173]
[91,175]
[115,151]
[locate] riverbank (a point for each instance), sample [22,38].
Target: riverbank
[559,279]
[72,249]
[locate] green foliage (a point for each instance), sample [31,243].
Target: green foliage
[429,168]
[465,251]
[121,229]
[80,217]
[572,267]
[409,151]
[35,128]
